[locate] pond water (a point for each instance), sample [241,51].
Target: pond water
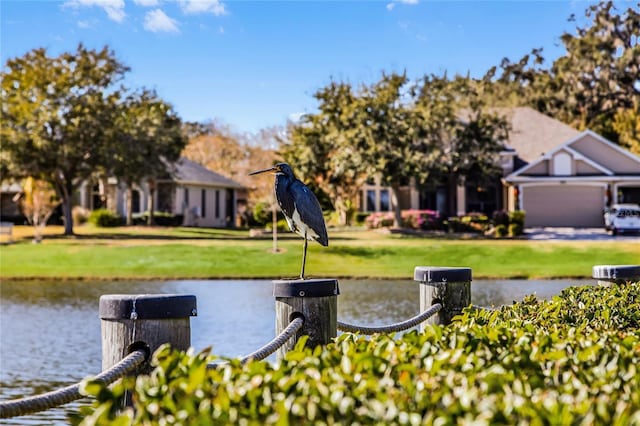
[50,331]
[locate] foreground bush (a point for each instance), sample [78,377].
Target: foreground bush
[570,361]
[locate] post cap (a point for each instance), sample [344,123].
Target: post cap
[306,288]
[439,274]
[616,272]
[147,306]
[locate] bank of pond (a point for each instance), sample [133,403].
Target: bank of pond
[569,361]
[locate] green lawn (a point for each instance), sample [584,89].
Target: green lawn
[144,253]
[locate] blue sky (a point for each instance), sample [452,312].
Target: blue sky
[253,64]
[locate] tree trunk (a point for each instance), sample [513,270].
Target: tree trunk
[152,190]
[129,204]
[66,210]
[342,210]
[452,195]
[397,212]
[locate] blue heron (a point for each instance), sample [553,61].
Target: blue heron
[300,207]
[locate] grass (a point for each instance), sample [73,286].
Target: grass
[172,253]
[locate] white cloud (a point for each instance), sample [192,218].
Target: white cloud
[203,6]
[157,21]
[147,3]
[114,8]
[393,3]
[84,24]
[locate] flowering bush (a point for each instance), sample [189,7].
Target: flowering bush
[413,219]
[379,220]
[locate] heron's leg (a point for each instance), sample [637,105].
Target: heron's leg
[304,257]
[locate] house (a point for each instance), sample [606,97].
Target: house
[572,184]
[9,211]
[204,198]
[557,174]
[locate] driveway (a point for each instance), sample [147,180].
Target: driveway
[577,234]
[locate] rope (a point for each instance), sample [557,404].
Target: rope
[400,326]
[37,403]
[294,326]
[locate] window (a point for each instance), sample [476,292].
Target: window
[217,204]
[186,197]
[371,200]
[203,202]
[384,200]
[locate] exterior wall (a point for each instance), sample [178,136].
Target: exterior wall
[609,157]
[583,168]
[213,213]
[541,169]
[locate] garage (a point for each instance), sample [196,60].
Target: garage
[563,205]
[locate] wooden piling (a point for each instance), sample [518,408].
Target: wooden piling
[316,300]
[130,322]
[449,286]
[616,274]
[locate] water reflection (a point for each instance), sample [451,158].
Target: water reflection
[50,331]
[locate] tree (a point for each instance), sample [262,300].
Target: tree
[217,147]
[330,147]
[627,124]
[56,117]
[394,130]
[468,137]
[37,202]
[595,83]
[401,138]
[148,141]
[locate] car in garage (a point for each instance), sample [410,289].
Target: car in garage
[622,218]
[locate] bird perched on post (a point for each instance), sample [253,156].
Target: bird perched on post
[300,207]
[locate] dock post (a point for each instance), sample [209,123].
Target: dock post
[616,274]
[316,300]
[130,322]
[449,286]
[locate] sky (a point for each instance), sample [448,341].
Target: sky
[256,64]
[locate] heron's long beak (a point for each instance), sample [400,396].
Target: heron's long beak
[270,169]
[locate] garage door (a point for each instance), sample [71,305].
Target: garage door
[563,205]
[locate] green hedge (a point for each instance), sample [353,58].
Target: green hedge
[105,218]
[573,360]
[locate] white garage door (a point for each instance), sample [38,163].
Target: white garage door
[563,205]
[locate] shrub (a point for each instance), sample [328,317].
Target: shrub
[159,219]
[570,360]
[261,214]
[421,219]
[360,218]
[472,222]
[518,217]
[281,225]
[379,220]
[412,219]
[515,229]
[500,217]
[104,218]
[80,215]
[501,231]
